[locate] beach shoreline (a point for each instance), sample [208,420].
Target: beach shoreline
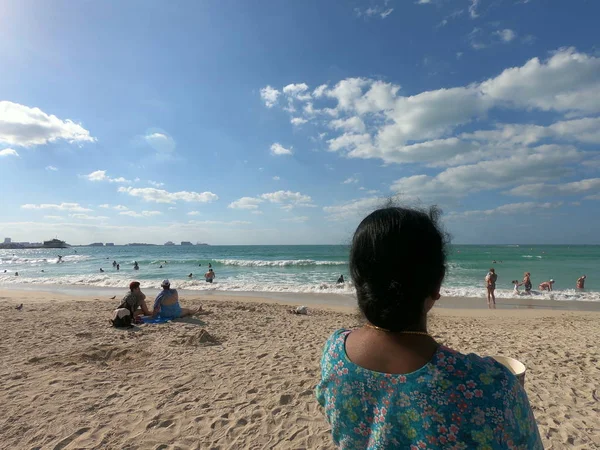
[320,300]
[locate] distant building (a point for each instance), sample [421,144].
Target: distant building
[109,244]
[186,243]
[7,240]
[97,244]
[169,243]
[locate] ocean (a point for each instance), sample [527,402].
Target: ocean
[302,269]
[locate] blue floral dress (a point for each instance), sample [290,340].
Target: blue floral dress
[454,402]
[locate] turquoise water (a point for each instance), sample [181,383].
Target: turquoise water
[296,268]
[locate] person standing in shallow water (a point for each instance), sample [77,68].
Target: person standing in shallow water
[581,282]
[490,281]
[389,384]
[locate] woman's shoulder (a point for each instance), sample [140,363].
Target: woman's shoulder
[484,369]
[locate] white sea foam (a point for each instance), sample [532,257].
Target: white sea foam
[104,280]
[278,263]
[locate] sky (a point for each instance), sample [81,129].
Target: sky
[235,122]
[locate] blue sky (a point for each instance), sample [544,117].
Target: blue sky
[286,122]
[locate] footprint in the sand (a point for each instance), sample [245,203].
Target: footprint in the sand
[285,399]
[66,441]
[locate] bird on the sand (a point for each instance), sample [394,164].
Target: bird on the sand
[113,297]
[20,307]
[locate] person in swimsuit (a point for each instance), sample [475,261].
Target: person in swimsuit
[490,281]
[209,276]
[167,304]
[389,384]
[546,285]
[527,282]
[581,282]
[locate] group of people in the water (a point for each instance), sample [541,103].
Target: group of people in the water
[492,277]
[209,276]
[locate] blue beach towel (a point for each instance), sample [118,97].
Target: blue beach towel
[159,319]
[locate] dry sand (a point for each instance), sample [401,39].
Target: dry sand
[244,376]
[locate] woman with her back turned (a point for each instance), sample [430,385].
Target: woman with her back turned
[389,384]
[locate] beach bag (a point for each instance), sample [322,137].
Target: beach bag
[122,317]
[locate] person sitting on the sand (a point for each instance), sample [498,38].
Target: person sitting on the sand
[167,303]
[546,285]
[389,384]
[136,300]
[581,282]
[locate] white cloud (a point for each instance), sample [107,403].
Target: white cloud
[548,190]
[350,180]
[87,217]
[116,207]
[567,82]
[288,198]
[352,210]
[297,219]
[320,91]
[298,121]
[351,124]
[278,149]
[269,95]
[100,175]
[376,122]
[246,203]
[506,35]
[193,213]
[473,9]
[54,218]
[140,214]
[75,207]
[162,196]
[24,126]
[51,168]
[508,209]
[219,222]
[155,183]
[374,11]
[541,163]
[276,178]
[8,152]
[297,91]
[161,142]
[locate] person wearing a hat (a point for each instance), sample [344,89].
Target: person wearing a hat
[136,299]
[167,303]
[546,285]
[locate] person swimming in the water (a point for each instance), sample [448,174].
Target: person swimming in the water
[136,266]
[101,270]
[340,280]
[114,264]
[190,275]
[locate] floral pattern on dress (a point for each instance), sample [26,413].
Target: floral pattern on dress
[454,402]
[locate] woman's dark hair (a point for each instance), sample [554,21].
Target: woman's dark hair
[397,260]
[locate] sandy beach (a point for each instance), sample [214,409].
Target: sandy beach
[244,376]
